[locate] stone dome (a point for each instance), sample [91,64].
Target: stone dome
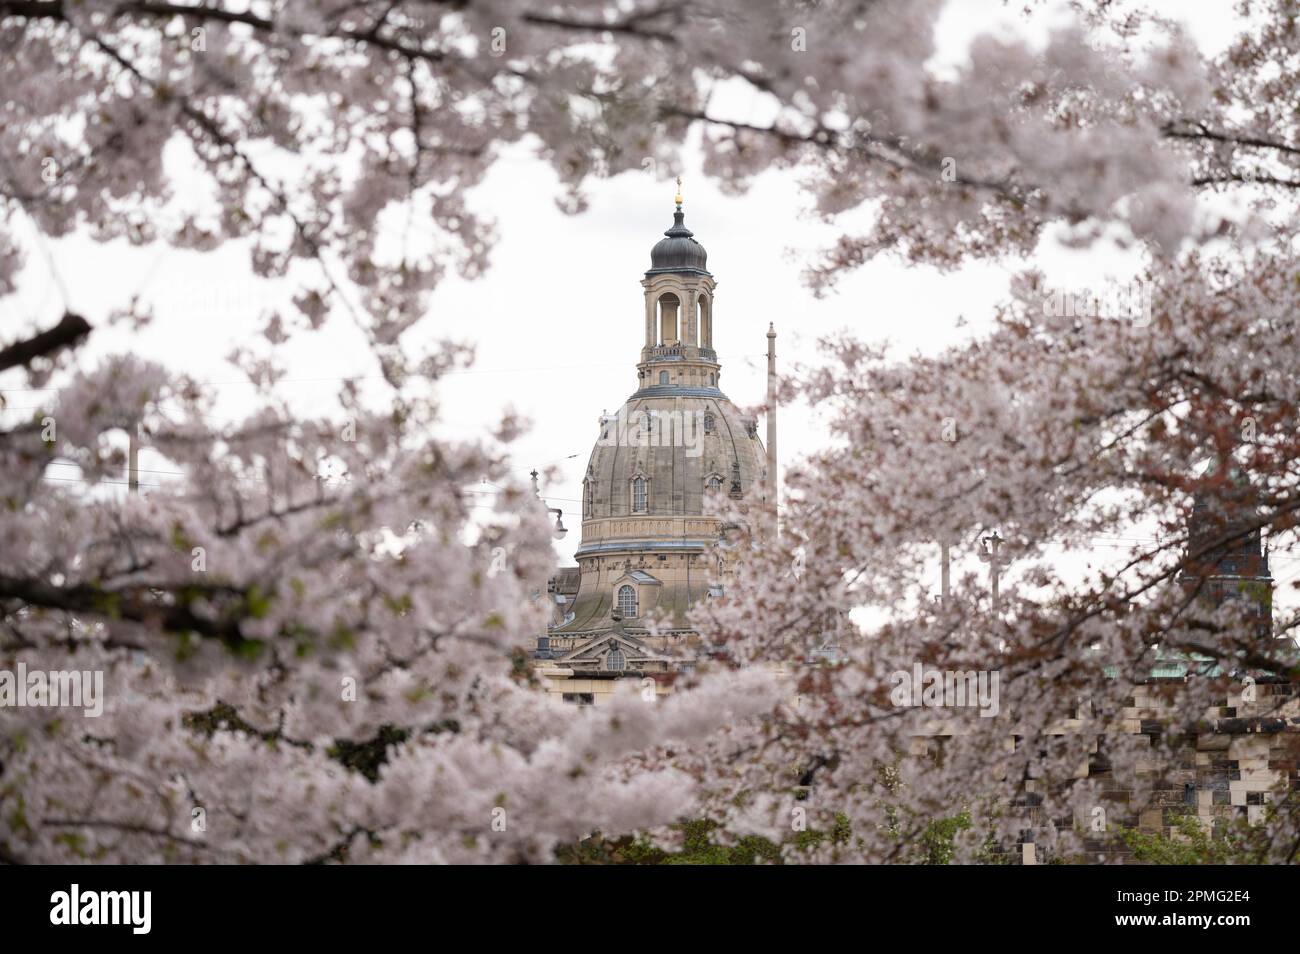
[694,435]
[645,507]
[678,251]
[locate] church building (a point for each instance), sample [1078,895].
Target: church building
[663,467]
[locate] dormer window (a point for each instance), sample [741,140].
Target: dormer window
[714,484]
[639,495]
[709,423]
[588,497]
[627,601]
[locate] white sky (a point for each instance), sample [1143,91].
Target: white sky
[556,337]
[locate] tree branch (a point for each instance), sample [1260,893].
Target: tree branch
[123,604]
[67,333]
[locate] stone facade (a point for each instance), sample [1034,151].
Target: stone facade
[1242,757]
[1244,754]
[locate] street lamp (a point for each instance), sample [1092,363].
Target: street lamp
[996,560]
[560,529]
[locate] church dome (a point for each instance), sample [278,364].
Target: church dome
[650,500]
[683,447]
[677,251]
[666,467]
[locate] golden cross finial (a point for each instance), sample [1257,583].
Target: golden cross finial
[679,192]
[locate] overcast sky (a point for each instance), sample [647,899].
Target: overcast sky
[557,321]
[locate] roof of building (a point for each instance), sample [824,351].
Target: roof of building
[642,577]
[566,580]
[678,444]
[678,251]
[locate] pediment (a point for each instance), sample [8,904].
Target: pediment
[596,648]
[638,576]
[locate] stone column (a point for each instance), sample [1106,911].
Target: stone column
[689,335]
[649,319]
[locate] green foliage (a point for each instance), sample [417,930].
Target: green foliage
[369,755]
[366,756]
[1190,843]
[257,603]
[937,843]
[698,847]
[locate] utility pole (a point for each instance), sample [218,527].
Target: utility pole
[944,574]
[991,555]
[772,480]
[133,459]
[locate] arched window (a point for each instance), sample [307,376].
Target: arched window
[669,304]
[615,660]
[663,377]
[639,495]
[588,497]
[627,601]
[709,423]
[714,484]
[706,323]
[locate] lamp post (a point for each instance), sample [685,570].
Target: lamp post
[560,529]
[990,554]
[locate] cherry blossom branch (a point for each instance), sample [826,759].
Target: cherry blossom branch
[54,10]
[136,604]
[1200,132]
[133,828]
[630,25]
[68,333]
[905,159]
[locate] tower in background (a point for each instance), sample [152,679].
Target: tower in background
[1226,559]
[665,466]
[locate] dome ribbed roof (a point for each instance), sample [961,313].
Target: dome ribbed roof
[677,251]
[695,438]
